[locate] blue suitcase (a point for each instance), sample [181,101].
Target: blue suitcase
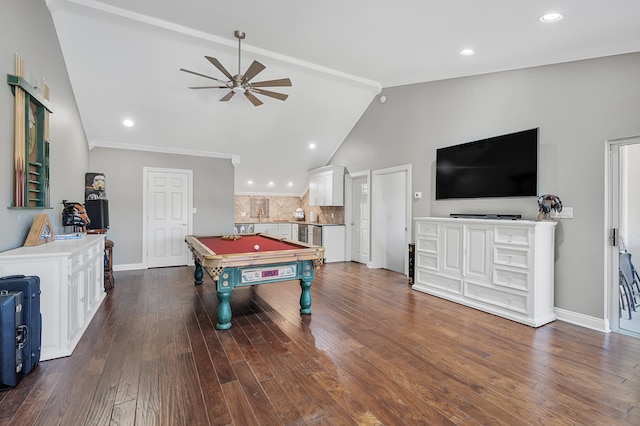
[11,338]
[30,288]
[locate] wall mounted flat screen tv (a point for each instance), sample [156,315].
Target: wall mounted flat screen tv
[501,166]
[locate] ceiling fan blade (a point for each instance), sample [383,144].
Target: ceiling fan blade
[228,96]
[272,83]
[276,95]
[201,75]
[253,70]
[255,101]
[208,87]
[218,65]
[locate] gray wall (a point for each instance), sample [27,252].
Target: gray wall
[577,106]
[26,27]
[212,195]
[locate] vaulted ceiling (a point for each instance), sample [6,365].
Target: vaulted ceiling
[123,59]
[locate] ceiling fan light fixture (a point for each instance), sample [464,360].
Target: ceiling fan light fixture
[239,89]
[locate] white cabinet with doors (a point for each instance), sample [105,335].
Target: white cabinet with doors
[333,241]
[71,284]
[498,266]
[282,230]
[326,186]
[266,228]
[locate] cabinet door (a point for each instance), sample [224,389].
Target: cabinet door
[451,252]
[284,230]
[76,300]
[327,189]
[313,190]
[478,251]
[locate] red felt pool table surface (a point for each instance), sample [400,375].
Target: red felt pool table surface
[246,244]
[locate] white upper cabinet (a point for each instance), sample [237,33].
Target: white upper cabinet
[326,186]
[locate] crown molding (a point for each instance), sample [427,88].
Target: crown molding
[235,159]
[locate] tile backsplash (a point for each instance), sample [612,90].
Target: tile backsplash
[282,207]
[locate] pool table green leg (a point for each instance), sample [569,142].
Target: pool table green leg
[224,311]
[305,297]
[197,274]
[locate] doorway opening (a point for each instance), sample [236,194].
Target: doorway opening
[624,219]
[391,218]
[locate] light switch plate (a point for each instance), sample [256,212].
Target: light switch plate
[566,213]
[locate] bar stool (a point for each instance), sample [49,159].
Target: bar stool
[108,265]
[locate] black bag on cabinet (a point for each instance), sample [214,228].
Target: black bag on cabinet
[12,337]
[32,317]
[98,211]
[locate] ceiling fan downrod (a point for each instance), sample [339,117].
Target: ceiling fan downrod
[240,36]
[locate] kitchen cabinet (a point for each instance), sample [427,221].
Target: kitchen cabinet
[71,283]
[282,230]
[326,186]
[502,267]
[333,241]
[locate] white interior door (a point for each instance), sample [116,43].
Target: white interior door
[359,219]
[391,218]
[168,216]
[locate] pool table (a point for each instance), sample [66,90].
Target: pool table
[240,260]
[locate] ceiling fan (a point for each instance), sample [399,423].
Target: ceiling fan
[240,83]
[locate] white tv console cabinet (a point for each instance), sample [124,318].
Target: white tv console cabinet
[71,287]
[504,267]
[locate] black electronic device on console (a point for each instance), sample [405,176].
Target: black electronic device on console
[486,216]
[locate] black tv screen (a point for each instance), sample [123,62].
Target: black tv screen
[501,166]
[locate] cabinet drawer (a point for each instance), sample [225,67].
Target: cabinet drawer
[427,261]
[430,245]
[427,228]
[495,297]
[451,285]
[511,257]
[512,235]
[511,278]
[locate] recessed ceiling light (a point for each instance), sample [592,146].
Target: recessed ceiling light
[550,17]
[312,146]
[271,183]
[290,184]
[128,122]
[467,52]
[250,182]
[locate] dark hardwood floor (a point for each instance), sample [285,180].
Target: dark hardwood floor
[374,352]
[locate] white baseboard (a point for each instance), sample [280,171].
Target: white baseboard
[582,320]
[129,267]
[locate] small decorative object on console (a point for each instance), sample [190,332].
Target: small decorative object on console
[298,214]
[546,203]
